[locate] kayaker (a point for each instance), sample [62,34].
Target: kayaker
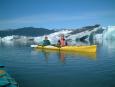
[46,41]
[62,42]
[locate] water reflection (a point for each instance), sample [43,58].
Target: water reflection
[46,55]
[62,55]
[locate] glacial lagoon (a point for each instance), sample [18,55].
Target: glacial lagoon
[39,68]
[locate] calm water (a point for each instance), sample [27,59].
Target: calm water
[37,68]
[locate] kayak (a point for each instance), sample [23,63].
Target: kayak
[91,48]
[6,80]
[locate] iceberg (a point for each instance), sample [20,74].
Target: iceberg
[23,39]
[98,38]
[109,33]
[85,35]
[54,37]
[16,39]
[7,39]
[0,39]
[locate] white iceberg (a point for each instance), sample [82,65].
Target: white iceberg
[54,37]
[82,34]
[17,39]
[109,33]
[0,39]
[98,38]
[7,38]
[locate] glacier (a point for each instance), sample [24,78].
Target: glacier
[74,38]
[70,35]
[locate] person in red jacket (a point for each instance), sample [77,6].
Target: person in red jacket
[62,42]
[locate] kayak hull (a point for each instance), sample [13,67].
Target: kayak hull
[91,48]
[6,80]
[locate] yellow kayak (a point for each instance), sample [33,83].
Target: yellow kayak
[91,48]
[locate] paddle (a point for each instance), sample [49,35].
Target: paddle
[33,46]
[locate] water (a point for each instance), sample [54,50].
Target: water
[36,68]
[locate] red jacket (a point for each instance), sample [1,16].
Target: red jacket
[62,42]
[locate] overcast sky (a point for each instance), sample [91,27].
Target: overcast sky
[56,13]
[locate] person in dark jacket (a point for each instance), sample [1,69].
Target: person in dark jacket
[46,41]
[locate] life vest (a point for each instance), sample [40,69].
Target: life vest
[62,42]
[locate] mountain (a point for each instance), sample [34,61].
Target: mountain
[26,31]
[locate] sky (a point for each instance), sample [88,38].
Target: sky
[56,14]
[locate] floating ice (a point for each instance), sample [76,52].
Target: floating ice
[109,33]
[7,38]
[54,37]
[98,38]
[0,39]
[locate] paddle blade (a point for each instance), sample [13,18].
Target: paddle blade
[33,46]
